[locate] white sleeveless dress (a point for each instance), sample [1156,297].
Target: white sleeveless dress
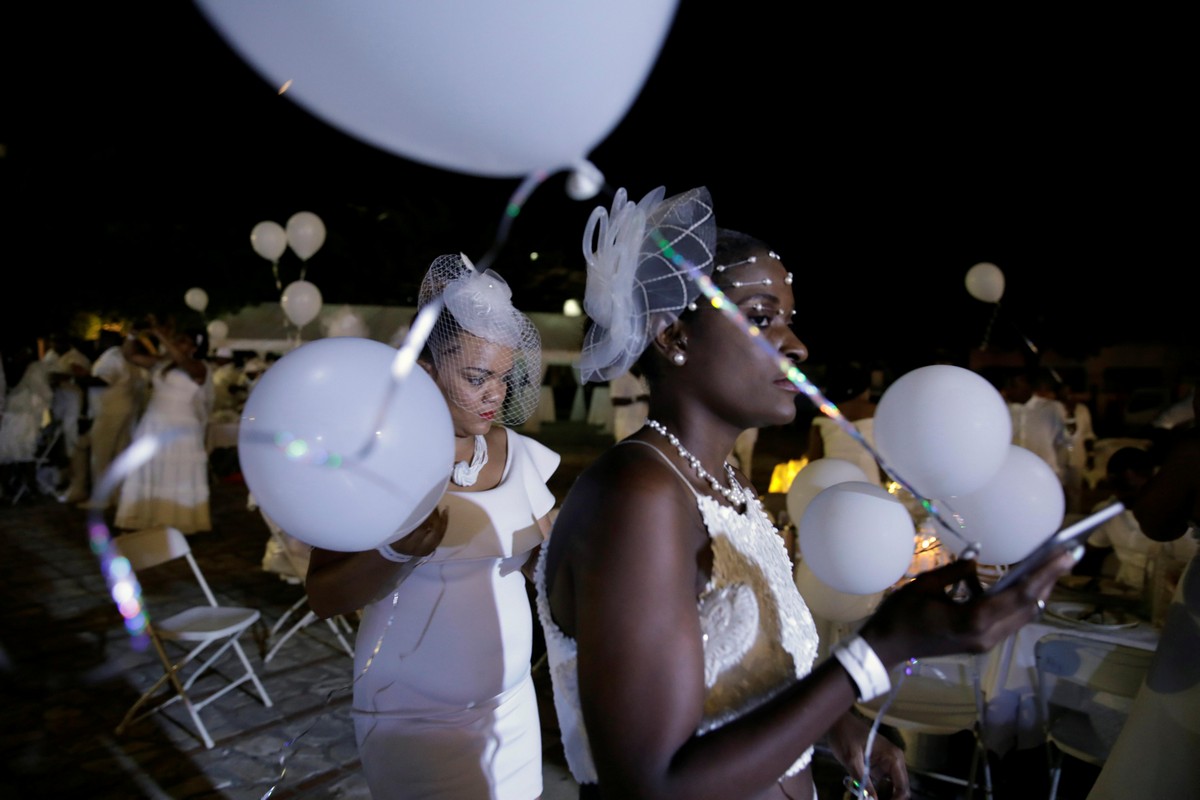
[444,703]
[759,637]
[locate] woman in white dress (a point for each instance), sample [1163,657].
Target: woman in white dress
[681,653]
[444,703]
[172,487]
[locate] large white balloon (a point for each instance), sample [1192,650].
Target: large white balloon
[301,302]
[816,476]
[338,458]
[196,299]
[474,86]
[828,603]
[856,537]
[985,282]
[305,234]
[269,240]
[1011,514]
[945,430]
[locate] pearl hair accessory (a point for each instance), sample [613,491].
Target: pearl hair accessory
[679,359]
[751,260]
[733,493]
[764,282]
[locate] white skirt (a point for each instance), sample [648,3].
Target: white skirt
[492,753]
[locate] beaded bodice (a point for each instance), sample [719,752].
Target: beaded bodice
[759,636]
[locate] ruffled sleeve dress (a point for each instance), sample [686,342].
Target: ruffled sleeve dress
[444,703]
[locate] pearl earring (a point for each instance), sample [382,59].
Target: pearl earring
[679,359]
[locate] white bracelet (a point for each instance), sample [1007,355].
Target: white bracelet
[863,666]
[391,555]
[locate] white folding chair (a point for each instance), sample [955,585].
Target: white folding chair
[942,697]
[198,627]
[1085,688]
[299,568]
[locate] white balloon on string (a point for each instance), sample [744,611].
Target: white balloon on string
[305,234]
[985,282]
[301,302]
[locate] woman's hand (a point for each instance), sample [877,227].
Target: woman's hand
[925,619]
[425,538]
[888,776]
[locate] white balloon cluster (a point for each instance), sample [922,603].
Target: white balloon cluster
[305,234]
[945,432]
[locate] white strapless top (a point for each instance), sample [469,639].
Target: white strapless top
[759,636]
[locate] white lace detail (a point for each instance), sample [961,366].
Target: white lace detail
[759,636]
[729,620]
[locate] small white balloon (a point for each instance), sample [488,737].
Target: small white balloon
[857,538]
[816,476]
[944,429]
[301,302]
[196,299]
[828,603]
[269,240]
[217,331]
[1011,514]
[985,282]
[305,234]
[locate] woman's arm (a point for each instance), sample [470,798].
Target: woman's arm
[341,583]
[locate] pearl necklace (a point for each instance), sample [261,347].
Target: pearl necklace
[733,493]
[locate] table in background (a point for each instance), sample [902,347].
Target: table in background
[1009,677]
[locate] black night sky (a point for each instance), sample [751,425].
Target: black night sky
[882,155]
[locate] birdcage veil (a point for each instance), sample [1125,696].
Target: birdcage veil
[639,261]
[480,342]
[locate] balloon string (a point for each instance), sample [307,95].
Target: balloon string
[1033,348]
[402,364]
[123,584]
[722,303]
[987,332]
[275,272]
[511,210]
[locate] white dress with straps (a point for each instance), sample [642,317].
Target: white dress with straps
[759,637]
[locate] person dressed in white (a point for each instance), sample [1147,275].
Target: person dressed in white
[26,414]
[116,399]
[172,487]
[1039,421]
[67,366]
[1078,442]
[444,702]
[1155,753]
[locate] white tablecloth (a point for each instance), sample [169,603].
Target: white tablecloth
[1009,678]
